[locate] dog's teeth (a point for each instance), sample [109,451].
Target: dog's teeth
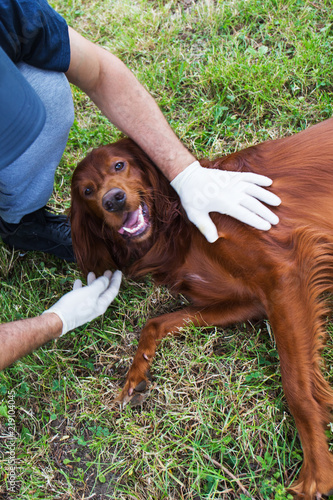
[128,229]
[140,224]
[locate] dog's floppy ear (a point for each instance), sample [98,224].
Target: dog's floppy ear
[88,244]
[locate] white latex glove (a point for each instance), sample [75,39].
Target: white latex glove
[203,190]
[85,303]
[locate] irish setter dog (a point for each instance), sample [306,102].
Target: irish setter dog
[125,215]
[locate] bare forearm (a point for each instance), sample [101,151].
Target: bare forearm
[135,112]
[123,100]
[19,338]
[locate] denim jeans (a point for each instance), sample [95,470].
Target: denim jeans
[26,184]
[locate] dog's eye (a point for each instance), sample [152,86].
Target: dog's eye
[119,165]
[88,191]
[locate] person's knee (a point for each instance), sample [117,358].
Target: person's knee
[54,90]
[28,182]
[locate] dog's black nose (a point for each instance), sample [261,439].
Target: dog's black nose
[114,200]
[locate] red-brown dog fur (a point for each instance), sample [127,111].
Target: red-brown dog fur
[247,274]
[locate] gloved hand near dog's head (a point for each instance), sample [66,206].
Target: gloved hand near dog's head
[85,303]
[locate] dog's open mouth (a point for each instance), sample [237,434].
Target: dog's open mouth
[135,223]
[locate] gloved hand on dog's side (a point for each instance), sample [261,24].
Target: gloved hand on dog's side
[238,194]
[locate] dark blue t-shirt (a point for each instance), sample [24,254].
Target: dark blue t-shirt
[32,32]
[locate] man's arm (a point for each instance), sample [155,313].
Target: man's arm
[124,101]
[22,337]
[77,307]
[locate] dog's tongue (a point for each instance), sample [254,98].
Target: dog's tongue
[132,221]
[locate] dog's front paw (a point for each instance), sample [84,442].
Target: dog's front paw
[137,397]
[136,385]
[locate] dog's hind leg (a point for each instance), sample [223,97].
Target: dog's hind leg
[295,316]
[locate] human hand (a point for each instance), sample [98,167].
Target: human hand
[238,194]
[85,303]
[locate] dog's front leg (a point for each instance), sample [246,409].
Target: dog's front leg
[156,329]
[151,335]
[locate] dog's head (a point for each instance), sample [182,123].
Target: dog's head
[111,184]
[120,204]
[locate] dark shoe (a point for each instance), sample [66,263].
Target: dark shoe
[42,231]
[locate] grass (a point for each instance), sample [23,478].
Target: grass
[215,425]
